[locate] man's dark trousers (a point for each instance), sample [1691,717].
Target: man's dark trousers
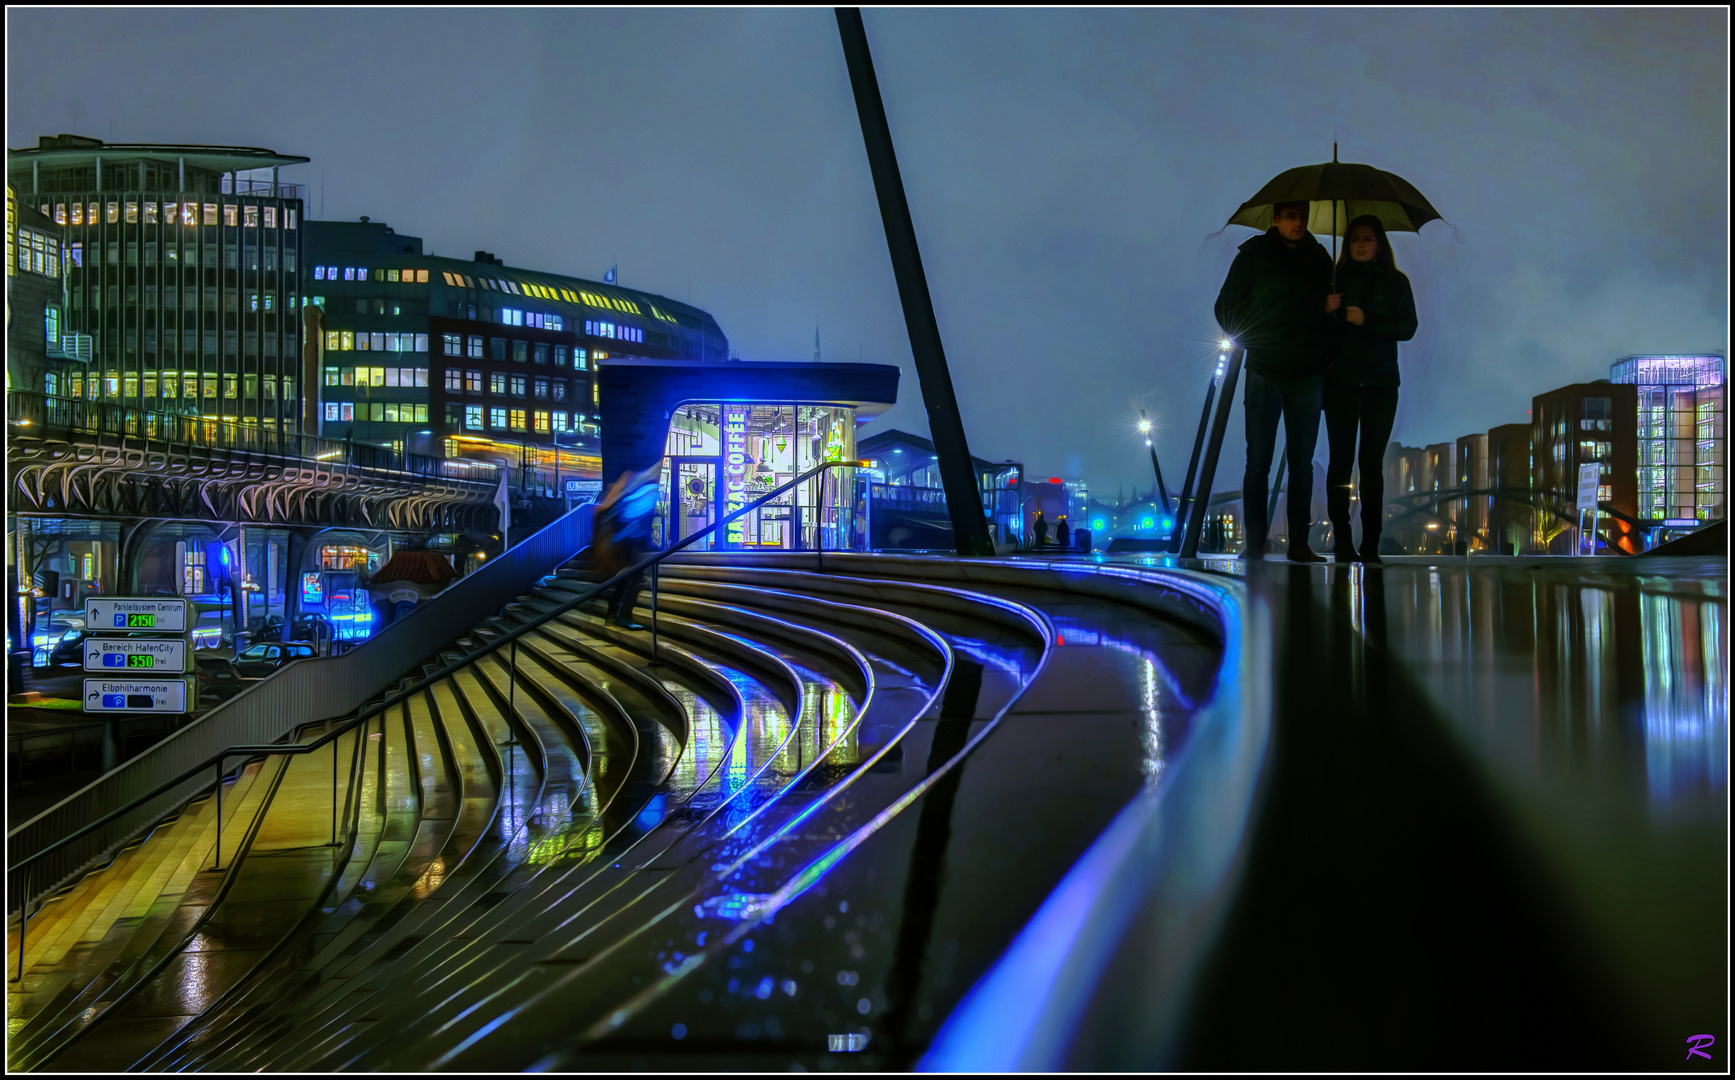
[1297,403]
[1372,410]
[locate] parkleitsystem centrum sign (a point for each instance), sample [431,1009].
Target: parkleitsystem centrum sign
[130,640]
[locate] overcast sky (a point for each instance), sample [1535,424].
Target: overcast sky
[1066,171]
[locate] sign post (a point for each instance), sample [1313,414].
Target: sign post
[131,641]
[1589,477]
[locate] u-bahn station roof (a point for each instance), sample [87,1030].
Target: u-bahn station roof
[62,151]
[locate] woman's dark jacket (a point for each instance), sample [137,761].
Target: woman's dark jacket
[1273,304]
[1367,355]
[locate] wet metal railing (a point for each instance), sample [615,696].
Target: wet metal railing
[88,826]
[57,853]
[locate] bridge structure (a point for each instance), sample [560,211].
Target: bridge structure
[74,458]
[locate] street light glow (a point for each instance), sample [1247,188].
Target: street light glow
[1144,426]
[1225,344]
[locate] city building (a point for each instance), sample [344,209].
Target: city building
[1473,508]
[1511,526]
[35,296]
[1578,425]
[911,500]
[469,358]
[181,275]
[1680,434]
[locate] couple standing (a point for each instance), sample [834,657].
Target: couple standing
[1309,349]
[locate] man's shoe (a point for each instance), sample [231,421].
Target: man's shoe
[1304,555]
[1343,551]
[630,625]
[1370,556]
[1249,553]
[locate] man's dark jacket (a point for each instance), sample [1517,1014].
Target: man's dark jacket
[1367,355]
[1273,303]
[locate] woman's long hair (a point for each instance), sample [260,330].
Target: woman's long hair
[1382,258]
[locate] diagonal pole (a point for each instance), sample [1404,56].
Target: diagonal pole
[957,475]
[1208,472]
[1182,507]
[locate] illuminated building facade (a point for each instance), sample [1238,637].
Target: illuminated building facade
[1574,426]
[911,498]
[469,358]
[35,295]
[1680,442]
[181,276]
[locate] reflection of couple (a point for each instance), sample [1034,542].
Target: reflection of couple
[1310,349]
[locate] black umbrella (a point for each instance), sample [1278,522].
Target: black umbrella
[1338,192]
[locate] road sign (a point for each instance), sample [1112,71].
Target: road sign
[1682,523]
[1589,478]
[135,695]
[164,656]
[163,616]
[584,487]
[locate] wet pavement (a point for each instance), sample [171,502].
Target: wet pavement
[1492,803]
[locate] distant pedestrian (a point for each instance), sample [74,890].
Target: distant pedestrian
[1040,529]
[1361,386]
[1063,533]
[622,536]
[1276,304]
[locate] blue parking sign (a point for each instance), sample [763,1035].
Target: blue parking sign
[114,701]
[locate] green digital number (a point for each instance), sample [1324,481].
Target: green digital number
[144,622]
[141,661]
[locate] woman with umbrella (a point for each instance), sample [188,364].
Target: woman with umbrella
[1361,386]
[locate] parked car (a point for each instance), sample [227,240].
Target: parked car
[259,661]
[216,674]
[49,632]
[303,629]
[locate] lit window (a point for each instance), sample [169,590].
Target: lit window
[391,416]
[360,339]
[319,273]
[377,412]
[518,419]
[377,376]
[421,343]
[595,389]
[421,376]
[331,412]
[541,388]
[391,275]
[250,217]
[348,376]
[580,360]
[421,416]
[331,376]
[542,421]
[113,215]
[560,356]
[421,277]
[496,418]
[379,341]
[78,214]
[475,347]
[347,340]
[560,421]
[520,351]
[333,341]
[132,213]
[447,275]
[347,412]
[454,379]
[559,389]
[150,213]
[472,382]
[391,376]
[289,218]
[229,214]
[497,382]
[518,385]
[451,345]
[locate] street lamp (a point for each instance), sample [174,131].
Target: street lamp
[1145,430]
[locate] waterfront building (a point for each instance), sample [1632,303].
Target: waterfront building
[470,358]
[1578,425]
[181,275]
[1473,508]
[1511,526]
[35,295]
[1680,439]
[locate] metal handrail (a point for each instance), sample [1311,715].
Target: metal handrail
[368,712]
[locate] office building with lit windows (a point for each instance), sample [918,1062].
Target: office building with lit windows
[1679,433]
[35,295]
[1574,426]
[469,358]
[180,275]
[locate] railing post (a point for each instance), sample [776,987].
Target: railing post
[23,919]
[1208,471]
[333,788]
[219,800]
[655,659]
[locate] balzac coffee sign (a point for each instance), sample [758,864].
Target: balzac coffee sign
[734,471]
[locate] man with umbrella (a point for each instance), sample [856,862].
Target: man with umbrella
[1277,304]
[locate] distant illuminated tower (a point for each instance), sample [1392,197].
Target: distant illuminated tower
[1680,434]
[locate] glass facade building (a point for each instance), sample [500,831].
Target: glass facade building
[1680,436]
[182,276]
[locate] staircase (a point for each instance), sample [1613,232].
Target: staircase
[810,804]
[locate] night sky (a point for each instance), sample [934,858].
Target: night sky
[1066,171]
